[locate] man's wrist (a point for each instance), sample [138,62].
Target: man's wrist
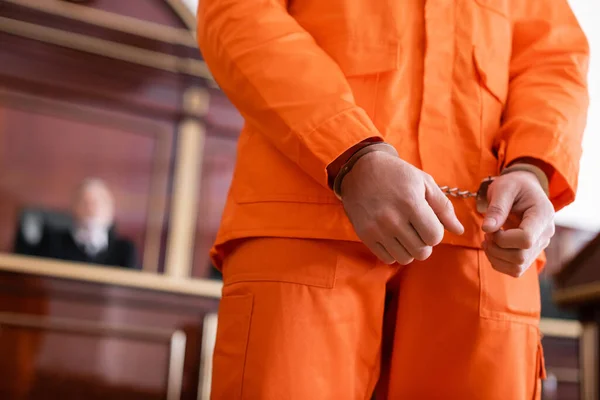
[336,165]
[535,167]
[347,167]
[546,168]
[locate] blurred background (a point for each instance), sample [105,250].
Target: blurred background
[116,153]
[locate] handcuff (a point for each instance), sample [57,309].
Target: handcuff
[481,195]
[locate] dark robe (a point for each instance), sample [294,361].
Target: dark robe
[60,244]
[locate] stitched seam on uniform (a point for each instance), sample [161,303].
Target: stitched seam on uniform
[246,350]
[290,198]
[492,315]
[536,382]
[529,321]
[375,97]
[274,280]
[492,9]
[373,380]
[304,137]
[481,284]
[320,125]
[481,135]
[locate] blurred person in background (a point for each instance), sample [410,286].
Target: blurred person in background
[91,238]
[347,271]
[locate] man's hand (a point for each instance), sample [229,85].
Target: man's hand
[512,251]
[397,210]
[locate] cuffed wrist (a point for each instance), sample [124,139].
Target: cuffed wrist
[347,167]
[535,170]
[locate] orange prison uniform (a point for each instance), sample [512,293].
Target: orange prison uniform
[461,88]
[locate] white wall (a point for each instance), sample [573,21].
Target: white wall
[585,212]
[192,5]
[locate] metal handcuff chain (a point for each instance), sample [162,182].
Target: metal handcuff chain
[480,195]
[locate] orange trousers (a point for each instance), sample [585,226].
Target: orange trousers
[316,319]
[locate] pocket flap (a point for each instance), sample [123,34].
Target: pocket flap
[492,71]
[233,330]
[360,58]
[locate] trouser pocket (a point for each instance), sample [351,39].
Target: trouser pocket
[505,298]
[233,330]
[540,372]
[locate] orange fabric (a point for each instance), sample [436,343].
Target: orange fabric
[460,88]
[317,319]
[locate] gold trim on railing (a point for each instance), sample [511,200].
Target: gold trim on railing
[109,276]
[209,335]
[588,360]
[176,365]
[180,247]
[106,48]
[577,294]
[116,22]
[562,328]
[196,101]
[183,12]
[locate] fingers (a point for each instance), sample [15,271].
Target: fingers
[404,243]
[514,256]
[427,225]
[538,221]
[500,204]
[412,242]
[513,262]
[529,234]
[391,251]
[407,230]
[506,267]
[443,209]
[517,258]
[380,252]
[398,251]
[514,239]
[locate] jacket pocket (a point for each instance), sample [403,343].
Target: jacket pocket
[503,297]
[492,38]
[233,331]
[357,58]
[362,37]
[314,263]
[499,6]
[492,71]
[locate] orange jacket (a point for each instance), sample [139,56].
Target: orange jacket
[461,88]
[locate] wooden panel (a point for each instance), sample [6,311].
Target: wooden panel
[561,352]
[96,361]
[149,10]
[90,21]
[583,268]
[88,79]
[48,147]
[563,368]
[74,340]
[561,391]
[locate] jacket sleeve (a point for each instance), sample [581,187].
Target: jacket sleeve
[547,101]
[285,86]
